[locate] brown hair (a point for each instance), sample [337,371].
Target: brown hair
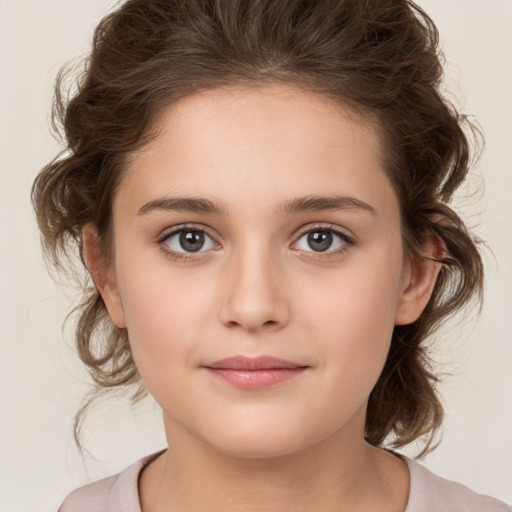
[378,56]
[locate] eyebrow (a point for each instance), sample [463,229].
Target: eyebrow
[185,204]
[297,205]
[321,203]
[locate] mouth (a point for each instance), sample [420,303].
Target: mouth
[254,373]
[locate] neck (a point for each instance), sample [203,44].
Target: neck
[334,474]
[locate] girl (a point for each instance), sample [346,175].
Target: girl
[259,190]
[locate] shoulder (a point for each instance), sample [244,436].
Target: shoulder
[93,496]
[111,494]
[431,493]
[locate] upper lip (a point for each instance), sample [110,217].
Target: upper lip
[253,363]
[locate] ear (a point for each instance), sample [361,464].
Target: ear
[419,279]
[102,274]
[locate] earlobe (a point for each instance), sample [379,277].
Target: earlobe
[102,275]
[419,282]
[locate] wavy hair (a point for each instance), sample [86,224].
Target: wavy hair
[380,57]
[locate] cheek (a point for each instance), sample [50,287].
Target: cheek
[352,317]
[165,315]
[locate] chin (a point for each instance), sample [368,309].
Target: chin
[258,441]
[257,449]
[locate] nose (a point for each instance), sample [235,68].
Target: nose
[254,295]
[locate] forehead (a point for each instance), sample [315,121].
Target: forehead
[283,113]
[245,145]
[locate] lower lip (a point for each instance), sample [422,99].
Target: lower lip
[255,379]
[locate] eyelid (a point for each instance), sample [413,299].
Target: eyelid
[179,255]
[328,227]
[166,233]
[347,241]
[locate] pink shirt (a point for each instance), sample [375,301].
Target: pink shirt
[428,493]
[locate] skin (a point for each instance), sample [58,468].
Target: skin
[257,287]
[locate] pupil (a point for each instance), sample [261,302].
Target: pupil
[320,240]
[191,241]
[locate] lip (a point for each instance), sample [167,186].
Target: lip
[254,373]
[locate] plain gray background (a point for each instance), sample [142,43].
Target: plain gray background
[42,381]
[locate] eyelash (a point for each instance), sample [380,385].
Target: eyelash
[346,241]
[178,256]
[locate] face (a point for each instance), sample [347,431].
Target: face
[259,223]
